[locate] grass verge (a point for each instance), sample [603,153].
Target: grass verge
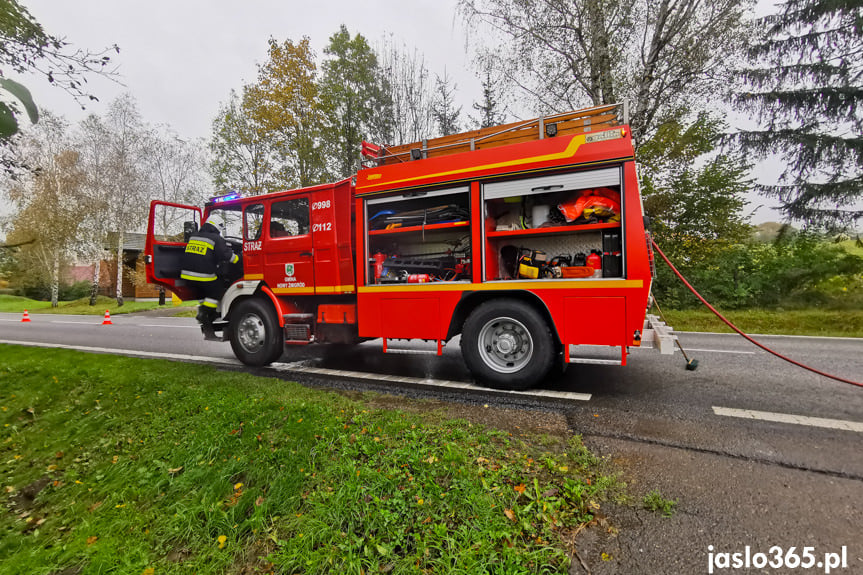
[121,465]
[845,323]
[17,304]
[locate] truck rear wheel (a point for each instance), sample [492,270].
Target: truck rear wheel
[507,344]
[255,334]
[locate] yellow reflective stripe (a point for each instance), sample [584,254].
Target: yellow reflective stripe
[198,247]
[198,278]
[235,259]
[506,285]
[303,290]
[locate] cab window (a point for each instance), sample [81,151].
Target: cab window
[289,218]
[253,221]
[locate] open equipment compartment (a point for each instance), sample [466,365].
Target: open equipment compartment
[528,237]
[419,236]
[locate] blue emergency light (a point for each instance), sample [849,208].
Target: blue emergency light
[225,198]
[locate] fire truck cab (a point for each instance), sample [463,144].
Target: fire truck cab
[527,240]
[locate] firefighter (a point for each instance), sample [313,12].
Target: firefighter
[206,250]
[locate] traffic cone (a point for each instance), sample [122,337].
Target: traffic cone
[107,320]
[26,318]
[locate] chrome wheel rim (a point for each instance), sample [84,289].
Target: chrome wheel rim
[251,333]
[505,345]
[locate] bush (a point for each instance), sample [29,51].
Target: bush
[42,292]
[800,271]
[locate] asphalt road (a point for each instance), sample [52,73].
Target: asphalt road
[756,451]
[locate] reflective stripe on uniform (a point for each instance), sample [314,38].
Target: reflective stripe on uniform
[197,276]
[235,258]
[208,302]
[199,245]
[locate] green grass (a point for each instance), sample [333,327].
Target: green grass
[17,304]
[839,323]
[122,465]
[654,501]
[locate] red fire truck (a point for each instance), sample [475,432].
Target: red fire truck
[526,240]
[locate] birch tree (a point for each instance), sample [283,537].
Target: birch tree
[48,203]
[91,140]
[128,191]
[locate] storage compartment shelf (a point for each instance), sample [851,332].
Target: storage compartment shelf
[427,227]
[552,230]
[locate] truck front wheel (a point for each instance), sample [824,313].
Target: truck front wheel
[255,334]
[507,344]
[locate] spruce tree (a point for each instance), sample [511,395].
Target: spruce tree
[804,86]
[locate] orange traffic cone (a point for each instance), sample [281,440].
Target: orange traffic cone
[26,318]
[107,320]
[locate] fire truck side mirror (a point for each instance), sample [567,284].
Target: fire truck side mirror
[189,228]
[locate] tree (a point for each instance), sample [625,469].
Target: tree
[694,195]
[243,158]
[409,93]
[48,209]
[286,105]
[444,112]
[91,139]
[804,87]
[128,178]
[662,56]
[354,98]
[26,47]
[490,112]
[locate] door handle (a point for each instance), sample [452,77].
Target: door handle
[309,254]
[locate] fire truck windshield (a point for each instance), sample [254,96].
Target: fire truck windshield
[233,220]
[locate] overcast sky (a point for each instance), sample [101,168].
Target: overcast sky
[181,58]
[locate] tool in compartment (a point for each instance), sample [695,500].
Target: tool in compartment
[531,263]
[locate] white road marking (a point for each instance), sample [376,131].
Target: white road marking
[78,322]
[302,367]
[426,382]
[133,352]
[789,418]
[721,351]
[162,325]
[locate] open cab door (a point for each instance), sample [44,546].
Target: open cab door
[168,231]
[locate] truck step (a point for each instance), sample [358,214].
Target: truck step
[414,351]
[298,317]
[597,354]
[595,361]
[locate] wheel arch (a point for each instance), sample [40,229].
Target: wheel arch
[240,290]
[472,300]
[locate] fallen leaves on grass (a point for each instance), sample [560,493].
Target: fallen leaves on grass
[221,540]
[509,514]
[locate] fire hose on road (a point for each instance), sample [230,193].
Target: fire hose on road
[736,329]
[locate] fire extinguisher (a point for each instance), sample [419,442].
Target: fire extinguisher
[594,260]
[380,258]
